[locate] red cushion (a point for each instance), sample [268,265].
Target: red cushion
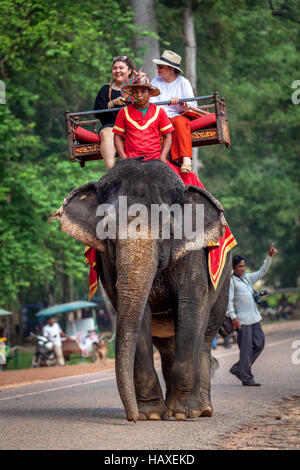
[86,136]
[194,113]
[91,137]
[203,122]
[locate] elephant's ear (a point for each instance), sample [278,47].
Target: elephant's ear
[77,215]
[213,226]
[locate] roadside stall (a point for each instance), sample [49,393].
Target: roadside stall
[84,334]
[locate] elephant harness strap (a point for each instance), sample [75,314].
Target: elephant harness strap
[91,259]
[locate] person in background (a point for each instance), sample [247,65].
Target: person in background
[53,332]
[226,342]
[214,343]
[109,96]
[246,317]
[173,87]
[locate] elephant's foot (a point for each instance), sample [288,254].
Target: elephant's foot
[187,408]
[206,410]
[153,410]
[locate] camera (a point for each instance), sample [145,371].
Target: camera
[257,296]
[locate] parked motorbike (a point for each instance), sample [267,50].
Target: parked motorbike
[44,353]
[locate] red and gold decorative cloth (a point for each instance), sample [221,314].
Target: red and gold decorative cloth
[217,256]
[91,259]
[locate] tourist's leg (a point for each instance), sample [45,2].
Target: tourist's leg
[107,147]
[181,149]
[59,355]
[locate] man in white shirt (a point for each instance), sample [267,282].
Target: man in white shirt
[245,316]
[53,332]
[174,87]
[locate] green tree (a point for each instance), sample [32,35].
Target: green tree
[251,57]
[53,55]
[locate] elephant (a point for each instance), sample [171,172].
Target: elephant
[159,286]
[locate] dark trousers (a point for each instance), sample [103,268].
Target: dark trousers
[251,341]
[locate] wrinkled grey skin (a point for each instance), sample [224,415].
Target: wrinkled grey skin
[161,291]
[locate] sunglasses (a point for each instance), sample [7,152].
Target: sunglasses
[120,57]
[160,66]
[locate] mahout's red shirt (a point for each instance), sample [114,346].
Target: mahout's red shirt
[142,134]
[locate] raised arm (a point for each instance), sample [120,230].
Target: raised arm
[254,277]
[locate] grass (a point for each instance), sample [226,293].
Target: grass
[19,360]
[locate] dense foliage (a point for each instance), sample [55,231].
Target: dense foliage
[251,57]
[55,55]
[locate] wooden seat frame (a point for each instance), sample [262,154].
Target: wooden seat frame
[216,134]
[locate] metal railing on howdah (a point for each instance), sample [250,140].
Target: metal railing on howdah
[161,103]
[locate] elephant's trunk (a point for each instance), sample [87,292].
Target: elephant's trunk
[136,266]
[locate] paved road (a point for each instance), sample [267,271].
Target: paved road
[86,412]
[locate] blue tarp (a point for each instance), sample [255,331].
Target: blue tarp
[68,307]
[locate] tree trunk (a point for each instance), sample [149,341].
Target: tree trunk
[190,64]
[19,323]
[71,288]
[190,47]
[65,288]
[147,48]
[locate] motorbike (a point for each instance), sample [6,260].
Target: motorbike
[44,353]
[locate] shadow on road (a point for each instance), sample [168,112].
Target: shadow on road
[86,415]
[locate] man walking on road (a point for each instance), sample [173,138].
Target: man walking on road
[245,316]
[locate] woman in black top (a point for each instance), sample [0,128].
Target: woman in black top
[109,96]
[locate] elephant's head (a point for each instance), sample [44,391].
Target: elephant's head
[137,250]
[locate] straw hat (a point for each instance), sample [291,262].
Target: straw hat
[169,58]
[141,82]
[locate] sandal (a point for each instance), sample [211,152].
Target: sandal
[186,168]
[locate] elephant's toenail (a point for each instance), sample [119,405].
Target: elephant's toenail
[142,417]
[194,413]
[155,416]
[206,411]
[180,416]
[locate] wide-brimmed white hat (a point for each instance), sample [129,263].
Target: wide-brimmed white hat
[169,58]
